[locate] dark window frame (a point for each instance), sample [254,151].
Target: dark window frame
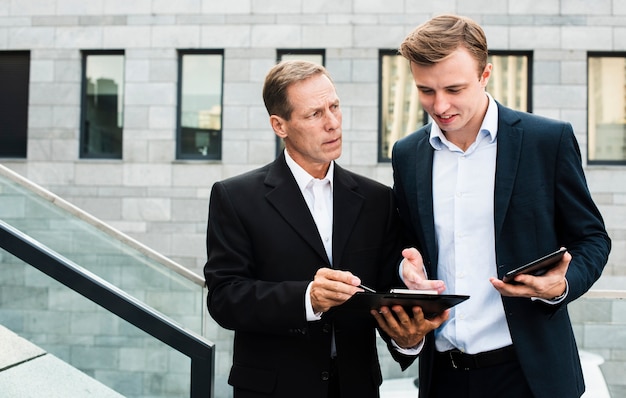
[179,92]
[382,53]
[300,51]
[529,85]
[83,154]
[388,52]
[15,105]
[600,54]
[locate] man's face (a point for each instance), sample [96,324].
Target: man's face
[313,134]
[453,92]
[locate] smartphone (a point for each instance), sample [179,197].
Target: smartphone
[536,267]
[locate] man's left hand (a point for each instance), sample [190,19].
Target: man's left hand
[547,286]
[407,331]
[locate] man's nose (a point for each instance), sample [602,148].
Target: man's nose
[333,120]
[440,104]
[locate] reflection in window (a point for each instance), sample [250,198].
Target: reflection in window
[510,79]
[315,56]
[607,108]
[14,80]
[200,105]
[103,105]
[400,110]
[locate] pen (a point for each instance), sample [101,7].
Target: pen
[367,289]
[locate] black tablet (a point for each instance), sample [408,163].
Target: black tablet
[536,267]
[432,304]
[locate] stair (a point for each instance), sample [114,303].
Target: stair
[27,371]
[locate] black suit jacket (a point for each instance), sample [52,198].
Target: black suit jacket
[541,203]
[264,249]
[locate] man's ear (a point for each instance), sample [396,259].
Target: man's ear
[486,75]
[278,125]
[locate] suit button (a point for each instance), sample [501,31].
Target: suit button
[325,376]
[326,328]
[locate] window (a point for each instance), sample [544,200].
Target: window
[316,56]
[400,110]
[510,79]
[606,107]
[102,110]
[14,79]
[199,132]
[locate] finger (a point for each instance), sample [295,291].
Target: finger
[521,288]
[344,277]
[412,254]
[427,284]
[402,317]
[412,278]
[502,287]
[567,257]
[438,319]
[382,321]
[389,319]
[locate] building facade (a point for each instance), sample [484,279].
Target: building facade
[131,110]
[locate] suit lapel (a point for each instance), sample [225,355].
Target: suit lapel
[507,161]
[347,205]
[285,196]
[423,192]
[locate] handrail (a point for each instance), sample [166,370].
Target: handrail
[99,224]
[200,351]
[605,294]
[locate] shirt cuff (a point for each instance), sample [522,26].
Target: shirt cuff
[310,315]
[412,351]
[556,300]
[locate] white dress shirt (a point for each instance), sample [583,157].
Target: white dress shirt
[463,204]
[321,210]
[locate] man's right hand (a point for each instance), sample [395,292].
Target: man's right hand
[413,273]
[331,288]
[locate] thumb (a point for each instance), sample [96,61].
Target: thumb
[412,255]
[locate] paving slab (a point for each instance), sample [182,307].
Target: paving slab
[27,371]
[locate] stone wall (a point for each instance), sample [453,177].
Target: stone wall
[163,202]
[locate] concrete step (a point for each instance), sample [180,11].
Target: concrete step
[27,371]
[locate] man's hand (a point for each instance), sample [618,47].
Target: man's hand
[331,288]
[547,286]
[413,272]
[405,330]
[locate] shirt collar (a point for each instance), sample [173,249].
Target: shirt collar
[303,179]
[488,127]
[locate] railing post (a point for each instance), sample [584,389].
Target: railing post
[202,376]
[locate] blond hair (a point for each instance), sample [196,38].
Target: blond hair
[436,39]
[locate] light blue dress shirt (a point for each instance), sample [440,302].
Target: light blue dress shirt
[463,204]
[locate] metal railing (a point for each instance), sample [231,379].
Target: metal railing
[200,351]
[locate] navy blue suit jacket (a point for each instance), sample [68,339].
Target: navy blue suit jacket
[541,202]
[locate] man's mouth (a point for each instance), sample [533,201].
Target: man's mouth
[446,118]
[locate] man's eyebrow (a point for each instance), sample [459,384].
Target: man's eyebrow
[452,86]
